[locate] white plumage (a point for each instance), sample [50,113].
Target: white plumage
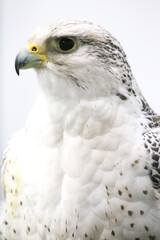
[80,168]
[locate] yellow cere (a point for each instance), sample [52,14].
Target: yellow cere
[35,49]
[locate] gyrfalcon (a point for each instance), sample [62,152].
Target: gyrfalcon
[86,165]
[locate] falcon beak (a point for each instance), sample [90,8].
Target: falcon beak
[25,59]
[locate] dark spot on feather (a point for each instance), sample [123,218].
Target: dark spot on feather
[113,233]
[155,164]
[145,192]
[130,213]
[122,97]
[136,161]
[155,157]
[130,195]
[146,168]
[141,212]
[119,192]
[122,207]
[146,228]
[152,237]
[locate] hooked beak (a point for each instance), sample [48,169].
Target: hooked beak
[25,59]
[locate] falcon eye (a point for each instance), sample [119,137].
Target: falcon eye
[66,44]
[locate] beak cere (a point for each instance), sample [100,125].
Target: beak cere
[26,59]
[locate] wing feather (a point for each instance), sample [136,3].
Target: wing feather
[152,145]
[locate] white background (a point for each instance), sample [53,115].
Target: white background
[135,23]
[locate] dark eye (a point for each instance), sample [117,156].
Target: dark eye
[66,44]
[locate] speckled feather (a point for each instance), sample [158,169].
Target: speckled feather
[86,164]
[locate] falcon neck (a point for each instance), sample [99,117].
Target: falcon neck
[83,118]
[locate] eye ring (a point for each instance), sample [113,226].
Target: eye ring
[66,44]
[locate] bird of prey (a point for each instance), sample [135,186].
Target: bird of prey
[86,165]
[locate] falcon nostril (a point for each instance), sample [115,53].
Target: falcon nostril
[34,49]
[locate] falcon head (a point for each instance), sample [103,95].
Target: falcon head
[76,58]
